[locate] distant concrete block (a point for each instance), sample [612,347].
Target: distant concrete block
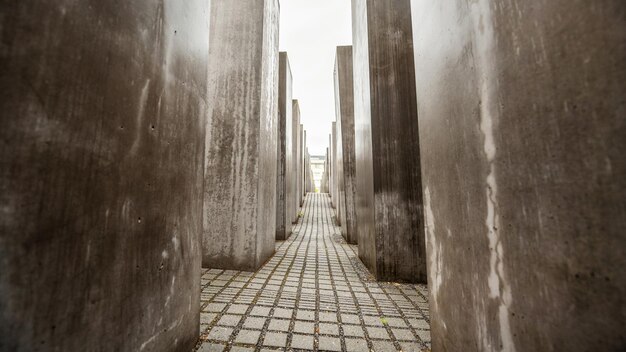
[240,217]
[389,194]
[344,103]
[522,138]
[103,109]
[284,210]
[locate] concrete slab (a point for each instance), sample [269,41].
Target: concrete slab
[522,147]
[240,217]
[295,147]
[389,195]
[284,150]
[344,102]
[101,174]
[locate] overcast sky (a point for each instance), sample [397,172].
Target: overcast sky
[310,30]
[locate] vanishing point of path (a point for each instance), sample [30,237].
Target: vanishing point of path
[314,294]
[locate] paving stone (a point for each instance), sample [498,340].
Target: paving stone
[241,349]
[237,309]
[403,334]
[215,307]
[354,345]
[304,327]
[373,321]
[377,333]
[350,319]
[305,315]
[353,330]
[254,323]
[329,343]
[207,318]
[279,325]
[283,313]
[248,336]
[275,339]
[220,333]
[211,347]
[260,311]
[328,317]
[303,342]
[383,346]
[411,347]
[229,320]
[329,329]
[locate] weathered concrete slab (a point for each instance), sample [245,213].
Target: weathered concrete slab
[344,104]
[101,174]
[301,144]
[339,187]
[240,217]
[333,168]
[284,150]
[295,147]
[523,146]
[325,182]
[389,195]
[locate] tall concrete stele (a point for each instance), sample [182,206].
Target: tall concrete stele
[240,217]
[344,104]
[284,152]
[389,194]
[523,146]
[102,138]
[295,190]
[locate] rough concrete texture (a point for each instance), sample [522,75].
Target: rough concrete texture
[284,150]
[339,188]
[324,183]
[240,217]
[389,194]
[296,164]
[301,144]
[101,160]
[334,173]
[344,104]
[305,165]
[522,125]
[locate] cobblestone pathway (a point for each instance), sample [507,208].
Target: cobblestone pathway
[314,294]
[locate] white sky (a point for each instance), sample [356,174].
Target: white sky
[310,31]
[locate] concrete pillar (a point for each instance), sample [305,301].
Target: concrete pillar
[301,166]
[305,174]
[295,130]
[389,195]
[339,190]
[333,168]
[344,103]
[101,174]
[324,183]
[284,150]
[524,173]
[239,201]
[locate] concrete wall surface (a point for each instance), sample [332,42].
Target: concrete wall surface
[295,148]
[522,125]
[344,103]
[102,138]
[389,195]
[284,150]
[239,219]
[301,144]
